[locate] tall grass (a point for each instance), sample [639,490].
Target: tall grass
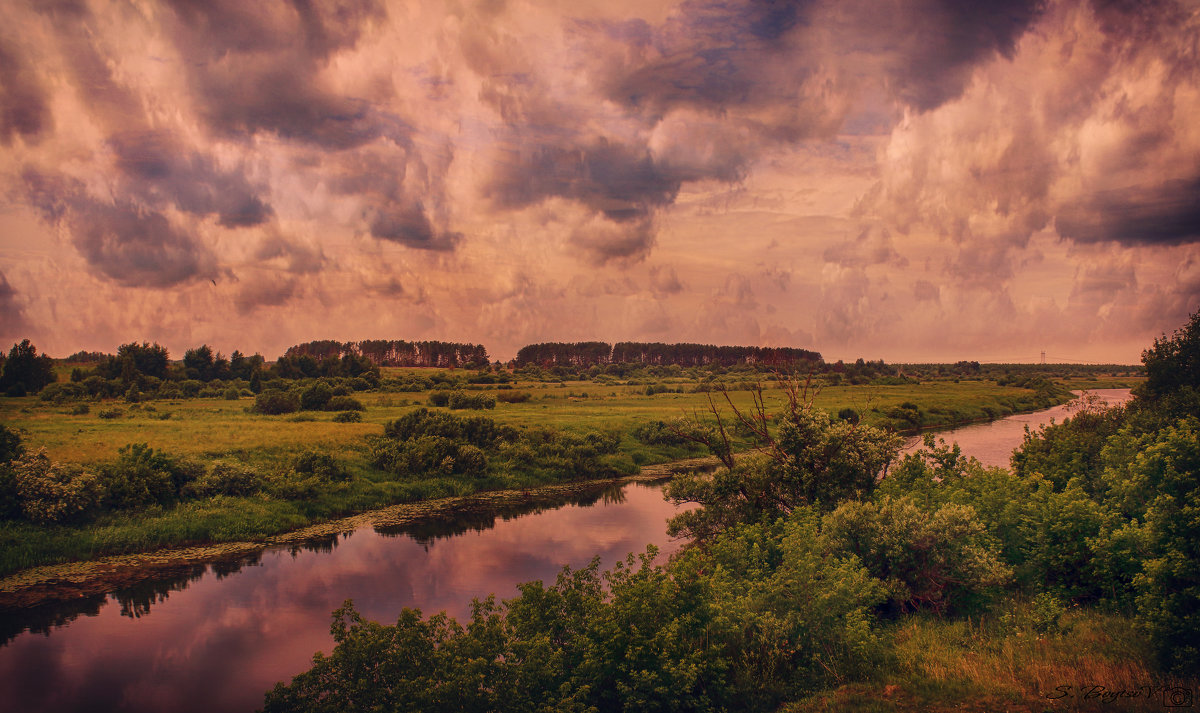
[1092,661]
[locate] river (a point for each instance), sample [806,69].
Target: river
[214,638]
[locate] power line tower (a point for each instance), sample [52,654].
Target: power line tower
[1043,356]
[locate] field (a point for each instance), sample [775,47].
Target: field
[221,430]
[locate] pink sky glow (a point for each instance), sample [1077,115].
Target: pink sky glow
[912,180]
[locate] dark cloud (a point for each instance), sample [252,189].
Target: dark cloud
[1164,214]
[23,109]
[156,167]
[12,316]
[601,241]
[260,291]
[136,247]
[621,182]
[122,241]
[391,183]
[936,43]
[297,259]
[730,55]
[409,225]
[709,55]
[256,68]
[161,171]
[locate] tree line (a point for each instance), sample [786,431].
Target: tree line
[583,354]
[397,352]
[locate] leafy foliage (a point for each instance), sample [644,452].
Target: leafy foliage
[761,616]
[24,372]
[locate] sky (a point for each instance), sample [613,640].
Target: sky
[908,180]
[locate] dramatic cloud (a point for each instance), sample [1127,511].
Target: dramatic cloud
[906,179]
[13,321]
[23,108]
[1167,213]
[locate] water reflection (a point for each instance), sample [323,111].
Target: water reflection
[216,637]
[480,516]
[993,443]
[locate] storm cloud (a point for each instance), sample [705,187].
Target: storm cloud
[852,173]
[23,109]
[1167,214]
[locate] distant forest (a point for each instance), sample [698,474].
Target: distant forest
[396,352]
[656,353]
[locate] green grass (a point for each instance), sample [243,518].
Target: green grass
[1000,662]
[209,429]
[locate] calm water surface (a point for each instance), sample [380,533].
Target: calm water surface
[992,443]
[215,637]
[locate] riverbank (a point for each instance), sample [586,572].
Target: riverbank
[73,580]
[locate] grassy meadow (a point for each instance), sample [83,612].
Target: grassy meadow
[226,431]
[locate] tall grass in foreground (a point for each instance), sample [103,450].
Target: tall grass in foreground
[1013,659]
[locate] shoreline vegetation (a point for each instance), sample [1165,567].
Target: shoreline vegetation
[1067,581]
[178,461]
[70,580]
[807,584]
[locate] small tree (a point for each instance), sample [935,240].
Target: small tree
[25,372]
[809,460]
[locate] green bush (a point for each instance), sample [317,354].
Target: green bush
[44,492]
[321,465]
[460,400]
[344,403]
[315,397]
[439,398]
[942,560]
[80,410]
[140,476]
[232,394]
[761,617]
[659,433]
[225,479]
[274,402]
[347,417]
[110,413]
[10,444]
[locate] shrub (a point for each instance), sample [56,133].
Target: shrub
[347,417]
[62,392]
[10,444]
[426,456]
[110,413]
[46,492]
[315,397]
[479,431]
[344,403]
[80,410]
[322,465]
[460,400]
[140,476]
[232,394]
[659,433]
[273,402]
[439,398]
[940,560]
[225,479]
[849,414]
